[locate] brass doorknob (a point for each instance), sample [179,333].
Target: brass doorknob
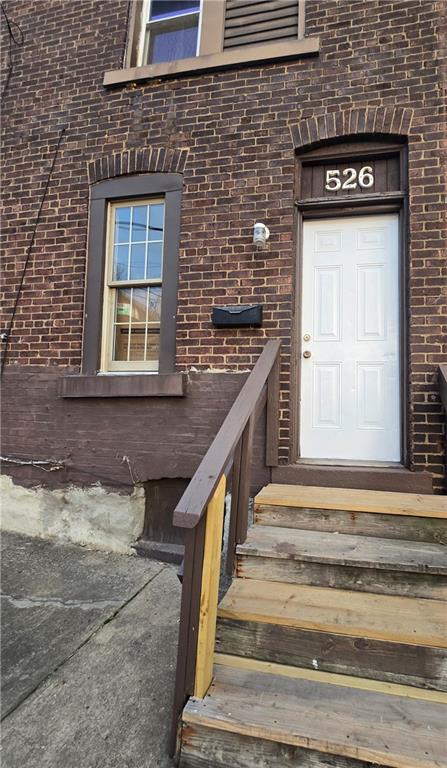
[307,353]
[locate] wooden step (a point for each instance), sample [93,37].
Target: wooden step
[399,639]
[409,517]
[251,718]
[385,502]
[383,617]
[344,561]
[345,681]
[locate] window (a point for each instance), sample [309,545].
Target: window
[170,37]
[133,290]
[170,30]
[132,274]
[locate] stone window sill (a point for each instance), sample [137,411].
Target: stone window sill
[233,57]
[124,385]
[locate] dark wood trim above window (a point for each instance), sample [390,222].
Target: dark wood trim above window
[169,185]
[231,33]
[136,186]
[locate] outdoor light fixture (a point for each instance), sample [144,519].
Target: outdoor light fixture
[261,234]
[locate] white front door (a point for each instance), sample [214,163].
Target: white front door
[350,370]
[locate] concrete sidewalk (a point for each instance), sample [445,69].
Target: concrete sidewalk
[89,648]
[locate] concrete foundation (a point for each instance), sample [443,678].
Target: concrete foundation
[93,517]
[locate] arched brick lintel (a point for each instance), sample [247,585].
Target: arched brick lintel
[139,160]
[352,122]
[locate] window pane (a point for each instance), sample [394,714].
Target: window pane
[154,257]
[122,225]
[137,261]
[139,224]
[120,262]
[137,342]
[163,9]
[142,258]
[132,334]
[122,306]
[139,302]
[173,44]
[121,342]
[156,215]
[154,308]
[152,345]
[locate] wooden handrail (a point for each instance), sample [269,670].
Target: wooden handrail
[201,512]
[443,393]
[193,503]
[443,384]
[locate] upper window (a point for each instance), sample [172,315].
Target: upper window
[133,289]
[169,37]
[170,30]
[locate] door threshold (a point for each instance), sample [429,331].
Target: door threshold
[351,463]
[333,474]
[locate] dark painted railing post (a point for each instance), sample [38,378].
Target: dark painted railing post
[233,510]
[272,425]
[244,481]
[189,621]
[443,393]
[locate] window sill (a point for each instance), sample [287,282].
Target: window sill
[124,385]
[236,56]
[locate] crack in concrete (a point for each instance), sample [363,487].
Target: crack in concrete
[86,640]
[58,602]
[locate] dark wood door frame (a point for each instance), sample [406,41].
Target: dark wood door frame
[355,205]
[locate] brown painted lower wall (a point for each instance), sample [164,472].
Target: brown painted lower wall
[120,441]
[116,441]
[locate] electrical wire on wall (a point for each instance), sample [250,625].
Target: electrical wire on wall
[53,465]
[6,335]
[16,38]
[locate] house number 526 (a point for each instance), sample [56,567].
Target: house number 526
[364,178]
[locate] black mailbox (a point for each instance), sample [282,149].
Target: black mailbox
[238,316]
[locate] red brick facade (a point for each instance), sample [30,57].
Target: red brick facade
[233,134]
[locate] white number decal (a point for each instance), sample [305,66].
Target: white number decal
[365,178]
[333,182]
[351,181]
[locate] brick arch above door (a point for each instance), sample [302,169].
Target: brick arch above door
[138,160]
[352,122]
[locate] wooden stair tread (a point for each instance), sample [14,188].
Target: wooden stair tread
[344,549]
[365,725]
[405,620]
[345,681]
[384,502]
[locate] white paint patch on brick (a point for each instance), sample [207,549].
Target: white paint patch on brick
[92,517]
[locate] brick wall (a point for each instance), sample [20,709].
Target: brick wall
[240,169]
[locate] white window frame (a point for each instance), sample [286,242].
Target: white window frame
[147,25]
[111,287]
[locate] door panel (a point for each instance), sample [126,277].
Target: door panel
[371,302]
[370,400]
[350,383]
[327,305]
[327,400]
